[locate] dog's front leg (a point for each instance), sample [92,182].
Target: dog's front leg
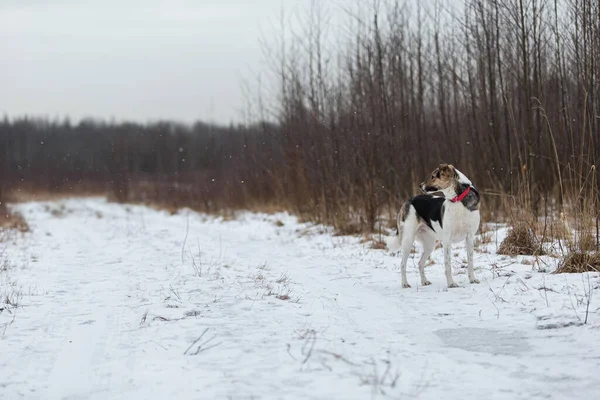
[447,253]
[471,273]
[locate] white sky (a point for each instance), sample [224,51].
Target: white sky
[138,60]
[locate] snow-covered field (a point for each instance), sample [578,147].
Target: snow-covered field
[126,302]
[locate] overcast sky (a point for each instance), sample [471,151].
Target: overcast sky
[137,60]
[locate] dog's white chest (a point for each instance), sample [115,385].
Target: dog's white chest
[459,222]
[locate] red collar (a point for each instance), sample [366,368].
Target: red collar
[461,196]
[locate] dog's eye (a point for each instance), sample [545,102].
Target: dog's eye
[437,174]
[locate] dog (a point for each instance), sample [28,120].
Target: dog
[450,218]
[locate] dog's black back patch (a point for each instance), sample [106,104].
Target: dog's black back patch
[429,208]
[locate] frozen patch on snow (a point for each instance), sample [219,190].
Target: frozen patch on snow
[485,340]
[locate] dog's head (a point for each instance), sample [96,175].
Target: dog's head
[442,178]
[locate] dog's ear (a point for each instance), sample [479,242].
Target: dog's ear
[447,170]
[453,171]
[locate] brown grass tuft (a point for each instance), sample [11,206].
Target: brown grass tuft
[11,220]
[25,193]
[578,262]
[484,238]
[586,241]
[378,245]
[348,228]
[557,229]
[521,240]
[391,223]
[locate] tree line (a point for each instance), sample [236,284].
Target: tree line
[202,166]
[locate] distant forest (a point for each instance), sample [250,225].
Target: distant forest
[506,90]
[134,162]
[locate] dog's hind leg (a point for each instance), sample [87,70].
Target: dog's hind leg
[407,227]
[471,273]
[409,230]
[406,246]
[428,241]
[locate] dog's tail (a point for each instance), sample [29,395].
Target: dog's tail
[395,243]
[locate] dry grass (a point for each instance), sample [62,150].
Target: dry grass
[172,197]
[161,207]
[578,262]
[26,193]
[228,215]
[13,221]
[557,229]
[391,222]
[378,245]
[586,241]
[375,242]
[348,228]
[267,208]
[57,210]
[484,238]
[279,288]
[521,240]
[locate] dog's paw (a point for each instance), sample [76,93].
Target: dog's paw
[405,285]
[474,280]
[425,283]
[453,285]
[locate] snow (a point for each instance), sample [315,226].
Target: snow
[123,302]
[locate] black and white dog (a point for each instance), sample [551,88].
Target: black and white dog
[450,219]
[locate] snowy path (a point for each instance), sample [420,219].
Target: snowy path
[111,304]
